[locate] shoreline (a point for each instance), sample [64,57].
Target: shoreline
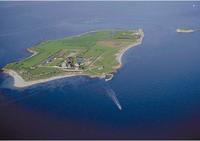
[185,31]
[179,30]
[121,53]
[20,82]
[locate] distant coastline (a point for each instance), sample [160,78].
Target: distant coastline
[185,30]
[20,82]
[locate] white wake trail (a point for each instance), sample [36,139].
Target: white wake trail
[113,96]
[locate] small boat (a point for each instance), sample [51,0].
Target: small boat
[108,77]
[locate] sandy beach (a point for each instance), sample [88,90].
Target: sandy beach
[121,53]
[20,82]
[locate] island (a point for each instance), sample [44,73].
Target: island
[185,30]
[94,54]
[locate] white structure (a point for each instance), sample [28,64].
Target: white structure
[63,65]
[76,66]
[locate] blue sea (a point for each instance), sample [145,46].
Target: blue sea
[158,86]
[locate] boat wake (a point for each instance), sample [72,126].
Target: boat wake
[111,94]
[114,98]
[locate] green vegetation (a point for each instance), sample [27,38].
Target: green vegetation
[185,30]
[92,53]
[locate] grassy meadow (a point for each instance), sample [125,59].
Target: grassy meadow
[99,48]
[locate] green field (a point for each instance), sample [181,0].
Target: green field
[97,50]
[185,29]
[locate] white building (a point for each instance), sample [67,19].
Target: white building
[63,65]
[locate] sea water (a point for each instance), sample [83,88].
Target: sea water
[158,86]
